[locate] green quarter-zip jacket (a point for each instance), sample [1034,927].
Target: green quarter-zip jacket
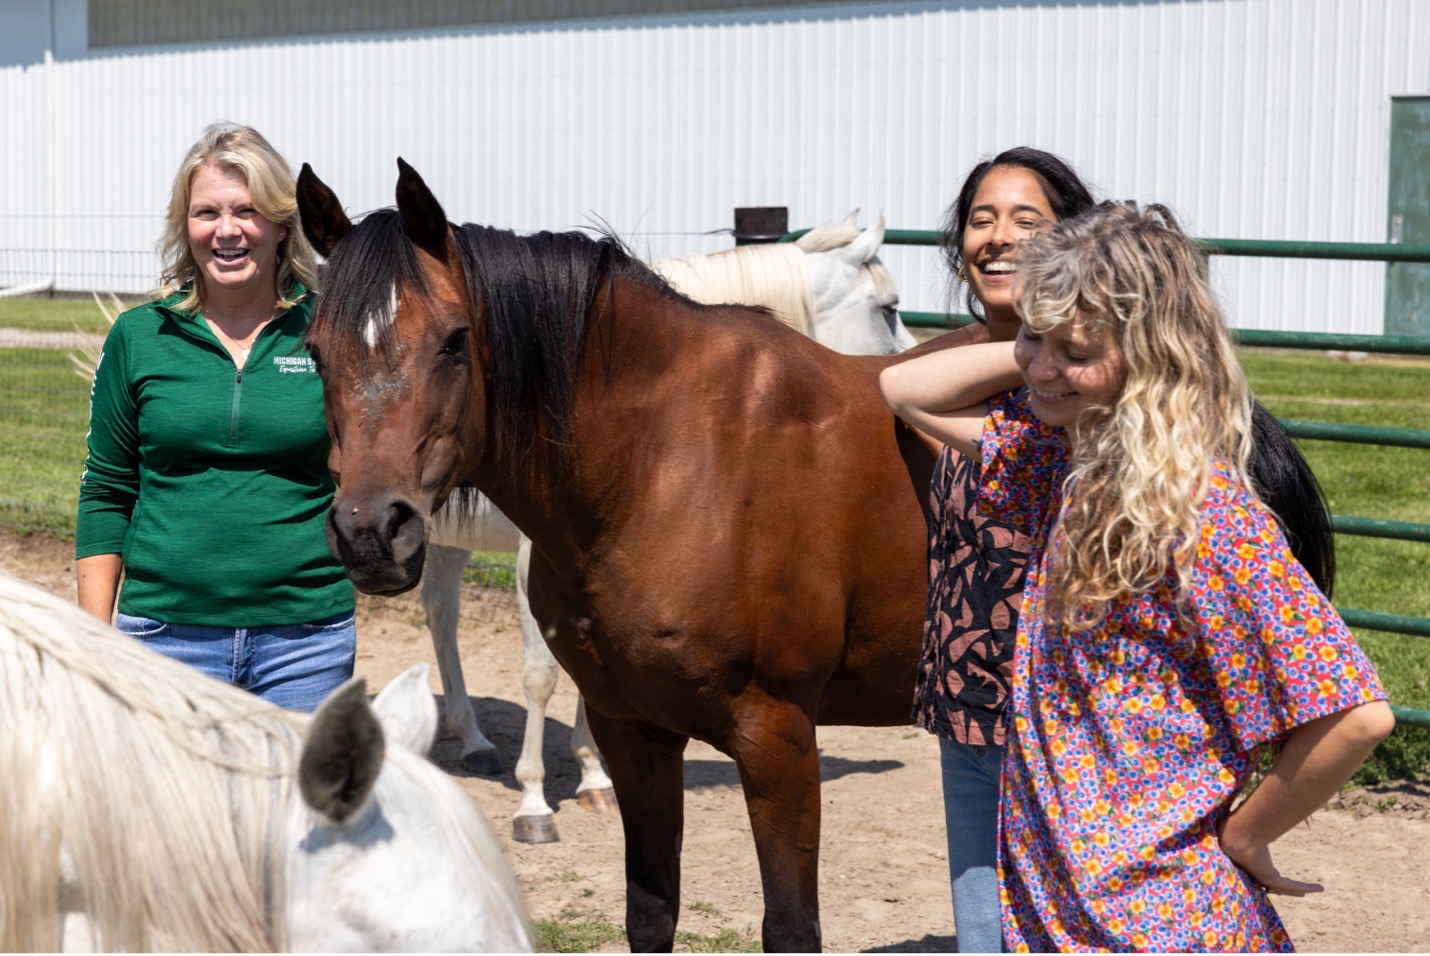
[209,480]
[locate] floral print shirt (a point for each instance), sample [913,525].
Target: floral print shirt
[1128,743]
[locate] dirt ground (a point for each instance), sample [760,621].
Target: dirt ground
[883,877]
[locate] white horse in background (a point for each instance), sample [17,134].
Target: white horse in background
[147,807]
[829,285]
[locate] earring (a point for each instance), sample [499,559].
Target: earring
[962,276]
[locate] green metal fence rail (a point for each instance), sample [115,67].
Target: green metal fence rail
[1320,431]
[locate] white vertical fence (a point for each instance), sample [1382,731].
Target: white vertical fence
[1256,119]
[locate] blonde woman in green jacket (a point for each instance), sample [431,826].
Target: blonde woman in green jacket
[206,486]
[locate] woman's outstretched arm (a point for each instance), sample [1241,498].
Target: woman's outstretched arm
[943,394]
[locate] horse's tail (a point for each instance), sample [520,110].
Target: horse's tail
[1287,485]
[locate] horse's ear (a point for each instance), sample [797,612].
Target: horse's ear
[324,222]
[422,217]
[407,711]
[342,753]
[866,245]
[853,218]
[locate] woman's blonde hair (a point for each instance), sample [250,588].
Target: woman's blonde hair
[1133,506]
[274,193]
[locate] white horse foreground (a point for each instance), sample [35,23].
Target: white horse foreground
[146,807]
[830,286]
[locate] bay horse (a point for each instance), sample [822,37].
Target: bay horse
[728,527]
[148,807]
[829,285]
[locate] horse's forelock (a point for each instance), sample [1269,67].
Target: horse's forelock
[373,264]
[828,238]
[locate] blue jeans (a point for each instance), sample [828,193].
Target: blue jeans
[971,776]
[291,665]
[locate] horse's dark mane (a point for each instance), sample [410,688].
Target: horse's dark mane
[538,291]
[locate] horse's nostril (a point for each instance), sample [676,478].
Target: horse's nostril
[396,519]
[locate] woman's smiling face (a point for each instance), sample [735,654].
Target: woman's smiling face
[1008,207]
[1069,370]
[231,242]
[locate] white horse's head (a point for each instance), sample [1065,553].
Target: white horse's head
[856,306]
[387,852]
[148,807]
[829,285]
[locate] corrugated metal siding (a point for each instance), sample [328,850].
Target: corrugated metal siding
[1259,119]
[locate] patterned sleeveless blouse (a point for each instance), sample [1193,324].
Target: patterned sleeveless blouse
[977,564]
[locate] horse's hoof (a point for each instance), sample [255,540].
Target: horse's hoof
[534,830]
[597,801]
[485,763]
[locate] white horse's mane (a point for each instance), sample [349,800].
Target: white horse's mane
[165,791]
[772,274]
[168,792]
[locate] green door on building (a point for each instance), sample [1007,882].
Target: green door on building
[1407,284]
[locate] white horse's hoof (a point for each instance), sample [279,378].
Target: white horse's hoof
[597,801]
[533,829]
[483,763]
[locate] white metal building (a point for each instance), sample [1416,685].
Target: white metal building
[1255,119]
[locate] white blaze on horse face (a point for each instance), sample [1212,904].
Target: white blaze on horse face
[378,320]
[372,395]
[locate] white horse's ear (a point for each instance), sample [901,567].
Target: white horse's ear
[342,753]
[853,218]
[866,245]
[407,711]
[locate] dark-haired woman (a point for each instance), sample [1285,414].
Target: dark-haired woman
[977,562]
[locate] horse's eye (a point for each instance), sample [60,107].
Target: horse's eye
[317,361]
[456,345]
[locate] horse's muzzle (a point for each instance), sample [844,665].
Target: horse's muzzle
[382,545]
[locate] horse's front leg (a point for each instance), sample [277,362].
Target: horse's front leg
[442,599]
[775,751]
[647,766]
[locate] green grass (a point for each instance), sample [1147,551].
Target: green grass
[726,941]
[580,931]
[491,569]
[576,931]
[1374,574]
[37,314]
[44,411]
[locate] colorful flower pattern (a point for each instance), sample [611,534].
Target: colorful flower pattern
[1128,743]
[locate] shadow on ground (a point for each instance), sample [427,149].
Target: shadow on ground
[504,723]
[929,944]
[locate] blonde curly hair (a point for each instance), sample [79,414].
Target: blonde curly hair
[1144,463]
